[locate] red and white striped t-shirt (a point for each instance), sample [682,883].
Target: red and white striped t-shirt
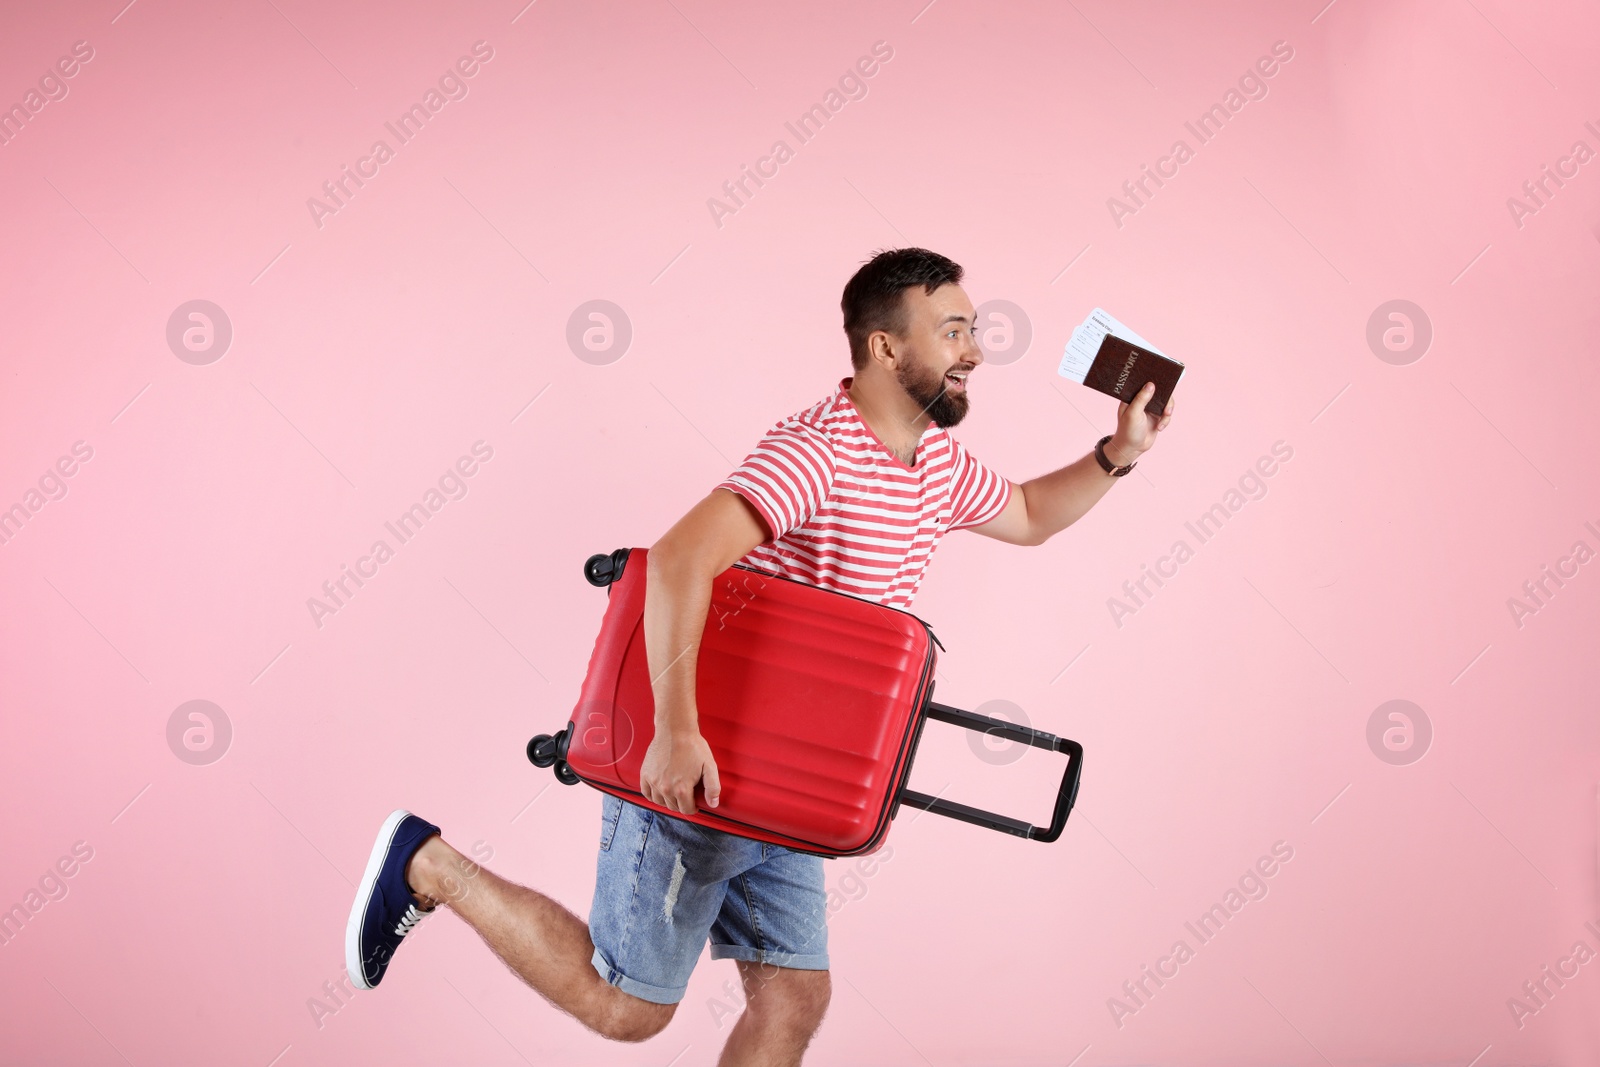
[846,514]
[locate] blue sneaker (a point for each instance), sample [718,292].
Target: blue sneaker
[385,911]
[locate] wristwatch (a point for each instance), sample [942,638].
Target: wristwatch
[1105,463]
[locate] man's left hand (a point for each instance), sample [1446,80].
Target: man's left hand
[1137,428]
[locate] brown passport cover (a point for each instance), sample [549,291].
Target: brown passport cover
[1121,368]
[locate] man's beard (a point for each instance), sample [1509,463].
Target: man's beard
[928,388]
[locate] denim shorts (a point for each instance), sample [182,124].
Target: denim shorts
[664,885]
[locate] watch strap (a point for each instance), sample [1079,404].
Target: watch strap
[1105,460]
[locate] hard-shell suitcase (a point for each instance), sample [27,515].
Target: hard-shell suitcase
[812,702]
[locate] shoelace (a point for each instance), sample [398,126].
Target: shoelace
[410,919]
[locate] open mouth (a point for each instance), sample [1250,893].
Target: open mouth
[956,380]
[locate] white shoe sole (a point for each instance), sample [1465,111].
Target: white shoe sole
[358,912]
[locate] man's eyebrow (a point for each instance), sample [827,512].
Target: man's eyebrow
[952,318]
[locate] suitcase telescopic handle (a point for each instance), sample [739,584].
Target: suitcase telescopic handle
[1065,797]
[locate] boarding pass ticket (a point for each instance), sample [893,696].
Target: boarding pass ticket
[1085,343]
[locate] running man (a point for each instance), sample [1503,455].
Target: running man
[851,494]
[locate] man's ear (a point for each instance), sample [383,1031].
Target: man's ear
[881,347]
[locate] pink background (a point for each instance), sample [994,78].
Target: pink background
[1228,714]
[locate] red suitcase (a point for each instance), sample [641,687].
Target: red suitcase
[812,702]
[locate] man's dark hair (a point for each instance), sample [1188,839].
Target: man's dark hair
[872,298]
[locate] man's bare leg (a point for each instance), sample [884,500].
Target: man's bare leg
[545,944]
[783,1009]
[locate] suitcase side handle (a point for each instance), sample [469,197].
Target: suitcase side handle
[1066,796]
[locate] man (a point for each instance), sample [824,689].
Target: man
[851,494]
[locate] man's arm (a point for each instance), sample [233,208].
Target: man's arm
[1043,507]
[714,535]
[1046,505]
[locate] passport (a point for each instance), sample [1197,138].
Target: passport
[1105,355]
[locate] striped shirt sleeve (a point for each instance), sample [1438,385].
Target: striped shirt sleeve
[786,477]
[977,494]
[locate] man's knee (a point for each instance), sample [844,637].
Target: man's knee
[628,1018]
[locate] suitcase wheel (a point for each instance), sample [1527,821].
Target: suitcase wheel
[598,569]
[564,773]
[603,568]
[542,750]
